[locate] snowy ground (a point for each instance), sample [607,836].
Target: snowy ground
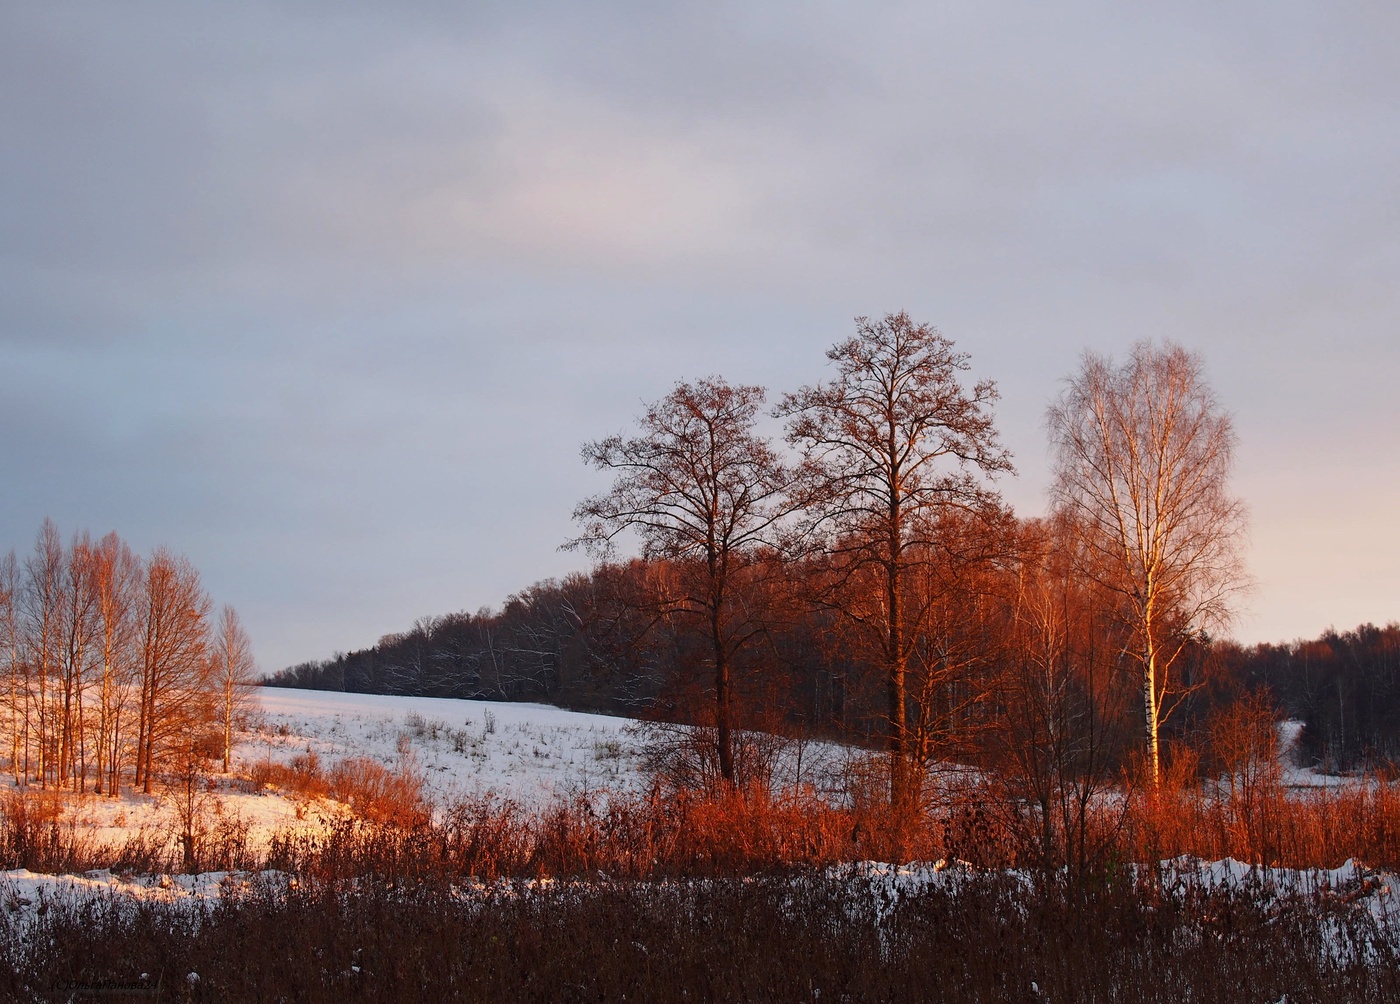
[531,753]
[1289,733]
[528,752]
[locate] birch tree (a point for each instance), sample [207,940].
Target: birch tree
[1143,453]
[17,687]
[78,629]
[41,609]
[117,581]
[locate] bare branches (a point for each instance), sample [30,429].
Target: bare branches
[697,483]
[233,674]
[699,487]
[104,661]
[889,445]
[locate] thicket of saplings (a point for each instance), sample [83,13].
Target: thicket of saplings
[113,669]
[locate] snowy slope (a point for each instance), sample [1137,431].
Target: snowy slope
[527,752]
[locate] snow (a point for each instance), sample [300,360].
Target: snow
[24,891]
[531,753]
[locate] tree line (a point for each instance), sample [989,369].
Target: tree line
[115,665]
[865,579]
[1343,686]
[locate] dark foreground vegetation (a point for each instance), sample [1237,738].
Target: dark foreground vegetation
[807,937]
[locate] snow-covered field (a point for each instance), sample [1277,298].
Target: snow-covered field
[528,752]
[525,752]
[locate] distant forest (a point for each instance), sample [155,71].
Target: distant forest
[592,642]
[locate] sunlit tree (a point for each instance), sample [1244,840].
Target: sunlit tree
[894,440]
[232,673]
[173,611]
[1143,452]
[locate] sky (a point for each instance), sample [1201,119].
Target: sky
[328,295]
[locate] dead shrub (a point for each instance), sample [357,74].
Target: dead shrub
[686,757]
[377,793]
[34,834]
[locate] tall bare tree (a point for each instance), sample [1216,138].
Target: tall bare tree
[78,630]
[891,442]
[117,581]
[1143,453]
[16,690]
[41,631]
[701,487]
[233,674]
[174,636]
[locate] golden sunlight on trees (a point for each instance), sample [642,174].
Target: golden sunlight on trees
[117,581]
[174,634]
[700,487]
[1142,460]
[889,445]
[1058,741]
[233,675]
[108,662]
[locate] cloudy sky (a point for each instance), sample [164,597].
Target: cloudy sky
[327,296]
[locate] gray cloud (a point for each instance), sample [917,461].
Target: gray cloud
[327,295]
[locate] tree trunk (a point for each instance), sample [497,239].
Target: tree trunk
[721,656]
[1149,698]
[899,753]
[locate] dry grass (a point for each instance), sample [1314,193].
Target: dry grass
[1312,828]
[368,788]
[619,836]
[666,833]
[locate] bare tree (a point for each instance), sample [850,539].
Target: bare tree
[1143,456]
[91,638]
[41,608]
[16,691]
[185,774]
[78,631]
[701,487]
[117,581]
[174,636]
[889,444]
[1059,740]
[232,673]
